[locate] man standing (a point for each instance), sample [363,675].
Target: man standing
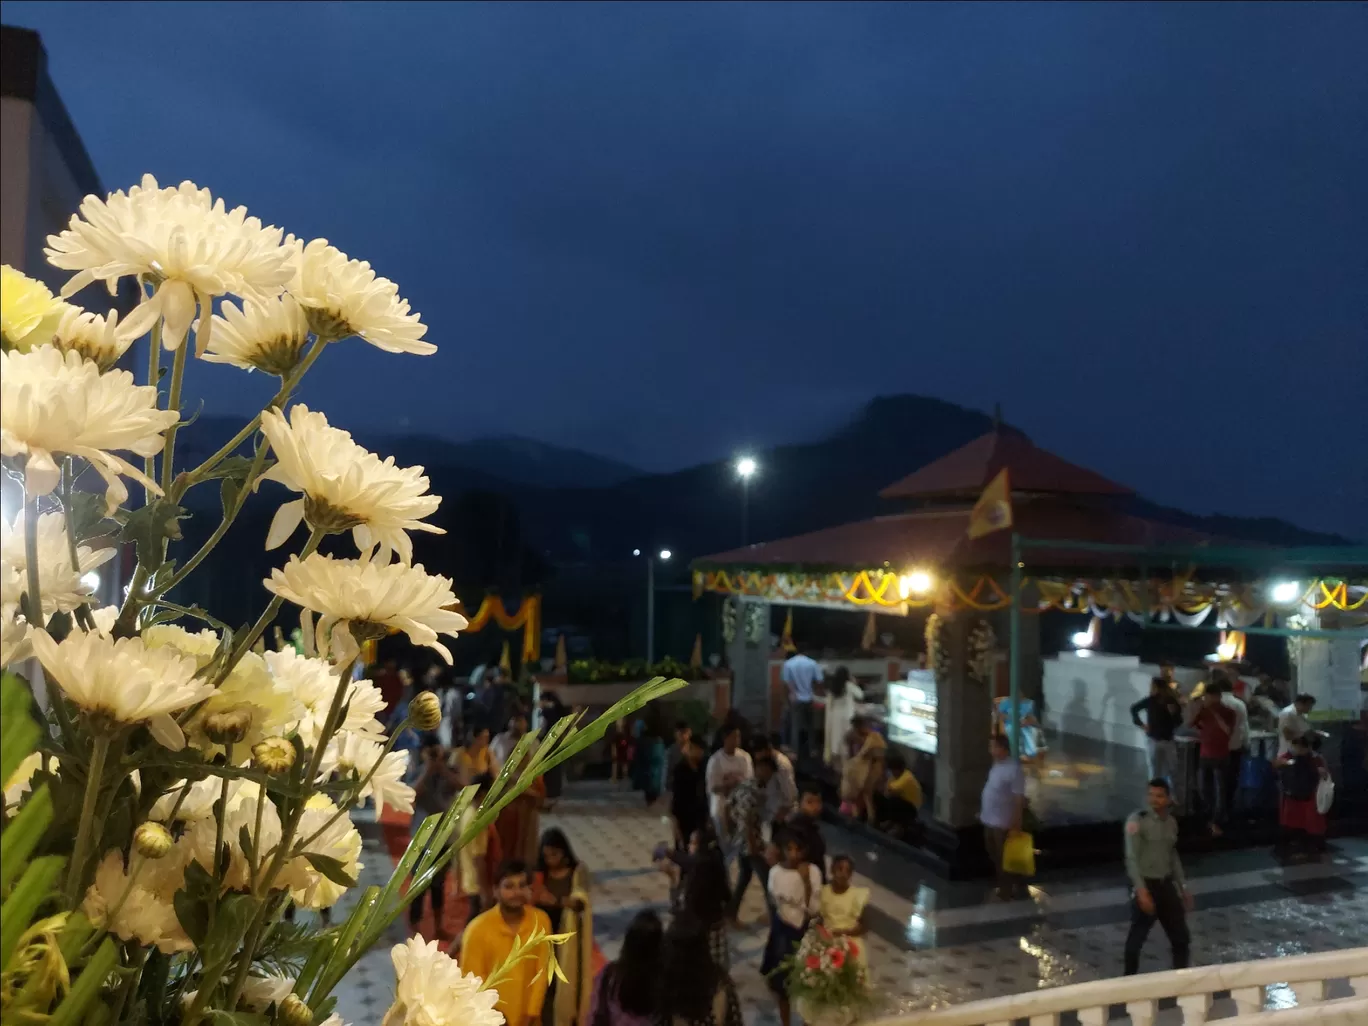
[1163,715]
[1239,736]
[727,767]
[801,674]
[1214,724]
[745,809]
[781,794]
[1156,875]
[488,940]
[1293,722]
[1000,809]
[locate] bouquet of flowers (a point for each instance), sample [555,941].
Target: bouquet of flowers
[170,786]
[827,973]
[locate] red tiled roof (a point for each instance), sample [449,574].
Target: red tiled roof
[969,468]
[939,538]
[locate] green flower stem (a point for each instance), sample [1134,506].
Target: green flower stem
[229,516]
[83,616]
[355,797]
[262,888]
[130,984]
[126,625]
[287,386]
[218,828]
[255,862]
[153,379]
[173,402]
[244,645]
[34,596]
[80,853]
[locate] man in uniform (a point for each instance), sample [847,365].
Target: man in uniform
[1156,877]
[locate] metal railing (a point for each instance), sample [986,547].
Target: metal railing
[1312,981]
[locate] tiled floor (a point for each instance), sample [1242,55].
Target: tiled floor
[934,944]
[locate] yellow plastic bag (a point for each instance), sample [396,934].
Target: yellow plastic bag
[1018,854]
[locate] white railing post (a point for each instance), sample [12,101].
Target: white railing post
[1196,1008]
[1248,999]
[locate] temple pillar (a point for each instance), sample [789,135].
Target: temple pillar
[748,657]
[964,709]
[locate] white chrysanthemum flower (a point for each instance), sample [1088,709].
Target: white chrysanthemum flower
[269,335]
[431,990]
[54,403]
[260,992]
[314,684]
[124,680]
[347,753]
[28,310]
[334,1020]
[182,238]
[197,843]
[270,705]
[198,802]
[14,637]
[142,912]
[96,337]
[344,297]
[389,597]
[58,581]
[344,486]
[339,840]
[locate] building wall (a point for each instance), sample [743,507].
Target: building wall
[16,118]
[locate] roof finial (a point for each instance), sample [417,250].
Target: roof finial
[997,416]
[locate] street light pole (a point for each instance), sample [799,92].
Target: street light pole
[650,600]
[745,470]
[650,613]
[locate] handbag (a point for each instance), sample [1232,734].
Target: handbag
[1325,795]
[1018,854]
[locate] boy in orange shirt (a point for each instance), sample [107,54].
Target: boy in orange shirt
[489,937]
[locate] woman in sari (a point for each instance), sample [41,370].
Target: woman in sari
[561,890]
[863,771]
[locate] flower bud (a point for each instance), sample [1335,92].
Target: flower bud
[227,727]
[425,711]
[151,840]
[274,755]
[292,1011]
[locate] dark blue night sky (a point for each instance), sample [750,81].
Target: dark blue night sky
[663,232]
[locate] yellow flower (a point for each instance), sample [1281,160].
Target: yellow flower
[137,909]
[28,311]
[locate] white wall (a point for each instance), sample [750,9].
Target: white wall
[1090,695]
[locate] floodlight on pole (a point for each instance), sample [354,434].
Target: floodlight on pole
[664,556]
[746,468]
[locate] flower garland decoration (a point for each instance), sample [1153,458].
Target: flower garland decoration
[184,784]
[932,635]
[729,620]
[982,651]
[757,622]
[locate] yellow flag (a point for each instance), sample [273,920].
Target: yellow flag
[505,663]
[870,636]
[696,656]
[561,661]
[786,639]
[993,511]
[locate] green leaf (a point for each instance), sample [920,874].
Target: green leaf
[34,888]
[234,912]
[192,902]
[19,732]
[23,833]
[229,493]
[235,468]
[221,1018]
[86,988]
[245,843]
[150,526]
[85,516]
[334,869]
